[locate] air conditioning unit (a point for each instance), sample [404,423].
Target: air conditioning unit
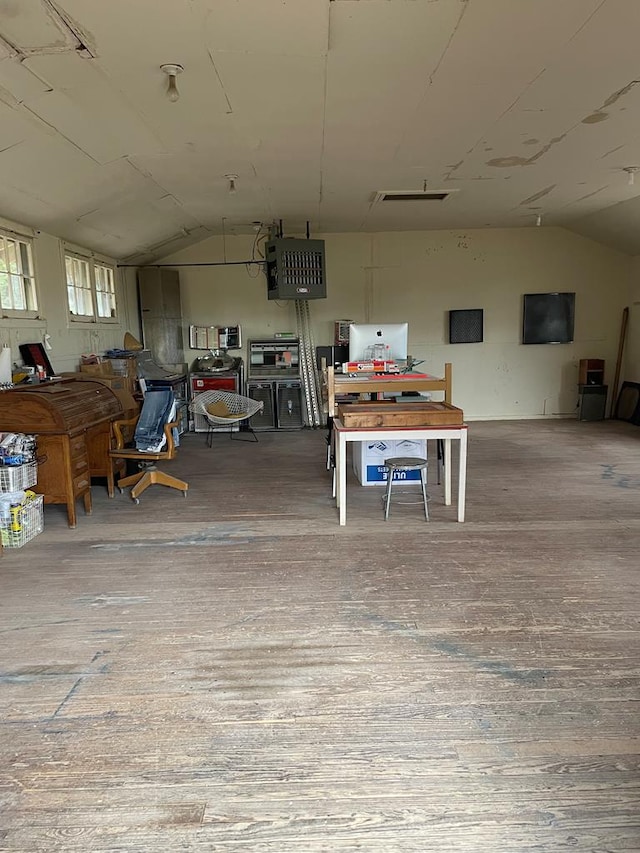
[295,269]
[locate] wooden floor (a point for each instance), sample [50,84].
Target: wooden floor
[233,671]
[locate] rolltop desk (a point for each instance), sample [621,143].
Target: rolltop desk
[72,421]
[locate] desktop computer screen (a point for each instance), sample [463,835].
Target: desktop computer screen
[384,341]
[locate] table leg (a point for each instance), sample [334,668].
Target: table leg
[341,463]
[447,471]
[110,479]
[462,475]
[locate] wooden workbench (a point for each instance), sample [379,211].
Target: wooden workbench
[368,383]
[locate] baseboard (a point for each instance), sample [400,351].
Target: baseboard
[567,417]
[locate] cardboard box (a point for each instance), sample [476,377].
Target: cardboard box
[118,384]
[369,456]
[124,367]
[103,368]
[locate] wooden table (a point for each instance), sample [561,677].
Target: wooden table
[448,433]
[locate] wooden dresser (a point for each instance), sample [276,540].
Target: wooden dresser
[72,422]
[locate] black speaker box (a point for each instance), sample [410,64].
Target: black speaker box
[334,355]
[262,391]
[289,402]
[593,402]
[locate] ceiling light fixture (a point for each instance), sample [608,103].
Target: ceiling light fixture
[232,183]
[631,171]
[538,220]
[172,71]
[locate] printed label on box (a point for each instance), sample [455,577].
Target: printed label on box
[368,457]
[382,447]
[378,474]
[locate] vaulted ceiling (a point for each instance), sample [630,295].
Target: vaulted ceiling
[516,108]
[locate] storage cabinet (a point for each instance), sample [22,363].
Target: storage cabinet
[161,314]
[64,474]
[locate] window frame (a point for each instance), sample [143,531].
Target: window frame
[90,287]
[108,293]
[28,282]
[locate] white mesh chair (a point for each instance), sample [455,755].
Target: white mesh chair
[226,409]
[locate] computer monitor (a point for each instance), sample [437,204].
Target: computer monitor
[386,341]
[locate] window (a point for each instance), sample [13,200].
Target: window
[17,279]
[79,287]
[91,291]
[105,291]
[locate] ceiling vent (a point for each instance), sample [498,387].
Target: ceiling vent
[412,195]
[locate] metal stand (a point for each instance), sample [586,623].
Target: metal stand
[247,429]
[308,367]
[406,463]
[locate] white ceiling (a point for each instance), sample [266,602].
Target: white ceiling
[523,107]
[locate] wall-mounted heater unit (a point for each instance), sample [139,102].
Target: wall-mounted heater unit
[295,269]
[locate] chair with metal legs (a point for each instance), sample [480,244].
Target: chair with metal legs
[226,411]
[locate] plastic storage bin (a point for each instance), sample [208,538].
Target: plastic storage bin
[22,523]
[16,477]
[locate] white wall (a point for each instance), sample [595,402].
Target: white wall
[68,339]
[416,276]
[419,277]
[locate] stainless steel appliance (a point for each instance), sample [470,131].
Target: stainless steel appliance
[274,378]
[274,358]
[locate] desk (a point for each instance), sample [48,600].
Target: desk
[72,421]
[368,383]
[454,432]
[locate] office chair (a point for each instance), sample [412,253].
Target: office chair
[154,441]
[226,409]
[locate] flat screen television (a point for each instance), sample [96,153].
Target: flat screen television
[548,318]
[387,341]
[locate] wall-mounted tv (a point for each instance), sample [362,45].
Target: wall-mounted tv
[548,318]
